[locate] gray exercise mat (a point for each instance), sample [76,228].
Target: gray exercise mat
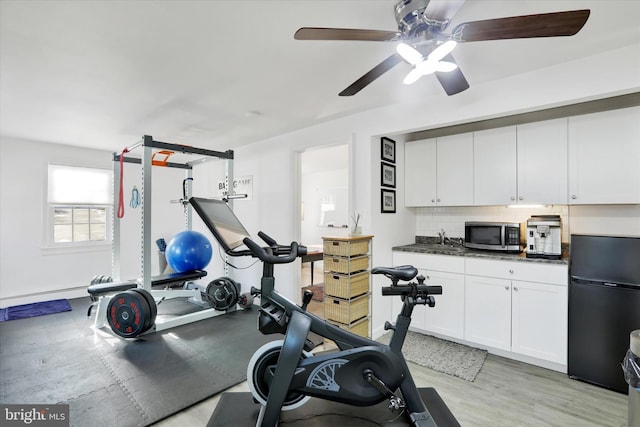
[110,381]
[239,410]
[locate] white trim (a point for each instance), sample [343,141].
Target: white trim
[48,238]
[76,248]
[69,293]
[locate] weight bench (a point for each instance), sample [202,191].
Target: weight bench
[99,290]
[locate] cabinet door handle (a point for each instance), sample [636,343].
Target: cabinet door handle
[573,196]
[513,198]
[515,288]
[433,200]
[506,287]
[520,198]
[438,200]
[511,271]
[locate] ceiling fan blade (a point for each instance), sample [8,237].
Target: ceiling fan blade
[373,74]
[317,33]
[526,26]
[453,81]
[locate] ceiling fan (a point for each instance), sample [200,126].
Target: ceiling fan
[423,43]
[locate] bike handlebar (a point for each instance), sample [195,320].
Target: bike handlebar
[420,290]
[276,253]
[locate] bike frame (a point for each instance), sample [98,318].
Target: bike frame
[298,323]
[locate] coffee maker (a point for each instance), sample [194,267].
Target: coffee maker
[544,237]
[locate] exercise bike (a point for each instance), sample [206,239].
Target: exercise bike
[283,374]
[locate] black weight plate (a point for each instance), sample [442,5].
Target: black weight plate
[153,308]
[222,293]
[128,313]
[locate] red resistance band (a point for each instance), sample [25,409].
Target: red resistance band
[121,195]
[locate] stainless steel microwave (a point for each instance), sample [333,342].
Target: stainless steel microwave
[493,236]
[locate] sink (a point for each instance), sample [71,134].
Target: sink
[435,247]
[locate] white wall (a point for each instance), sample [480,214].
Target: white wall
[29,271]
[274,209]
[26,270]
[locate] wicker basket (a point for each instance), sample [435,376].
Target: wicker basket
[346,265]
[361,327]
[346,311]
[348,248]
[345,286]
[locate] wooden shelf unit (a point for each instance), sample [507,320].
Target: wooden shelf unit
[347,282]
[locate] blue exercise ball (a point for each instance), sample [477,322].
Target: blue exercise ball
[188,251]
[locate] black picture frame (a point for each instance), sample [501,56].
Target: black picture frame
[387,175]
[387,201]
[387,149]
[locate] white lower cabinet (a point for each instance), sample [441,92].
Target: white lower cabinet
[447,317]
[488,311]
[539,320]
[514,306]
[527,317]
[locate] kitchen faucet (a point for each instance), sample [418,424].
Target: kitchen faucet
[454,240]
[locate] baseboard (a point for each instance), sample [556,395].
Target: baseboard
[78,292]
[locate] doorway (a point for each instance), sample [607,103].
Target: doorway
[324,211]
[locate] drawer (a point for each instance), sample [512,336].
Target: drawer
[348,248]
[346,311]
[518,270]
[346,286]
[429,262]
[345,265]
[361,327]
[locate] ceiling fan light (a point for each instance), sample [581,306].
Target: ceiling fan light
[427,67]
[412,77]
[445,67]
[443,50]
[408,53]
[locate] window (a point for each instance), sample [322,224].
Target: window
[79,201]
[79,224]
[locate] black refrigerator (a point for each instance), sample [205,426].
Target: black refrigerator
[604,307]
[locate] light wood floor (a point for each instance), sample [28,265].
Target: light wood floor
[505,393]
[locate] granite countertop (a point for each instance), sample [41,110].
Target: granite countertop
[426,246]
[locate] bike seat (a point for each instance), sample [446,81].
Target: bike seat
[402,272]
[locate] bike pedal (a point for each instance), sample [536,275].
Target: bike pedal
[396,404]
[389,326]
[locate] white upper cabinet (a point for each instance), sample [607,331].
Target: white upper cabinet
[587,159]
[494,174]
[604,157]
[455,170]
[542,162]
[524,164]
[439,171]
[420,173]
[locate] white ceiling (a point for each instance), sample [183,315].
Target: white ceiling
[218,74]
